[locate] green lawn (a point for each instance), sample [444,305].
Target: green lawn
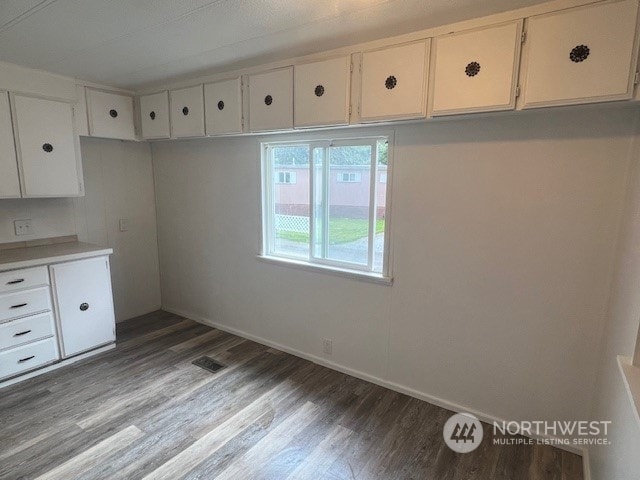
[341,230]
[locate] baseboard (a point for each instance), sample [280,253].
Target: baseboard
[434,400]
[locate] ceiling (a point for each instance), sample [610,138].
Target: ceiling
[130,43]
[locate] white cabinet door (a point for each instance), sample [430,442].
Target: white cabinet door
[223,107]
[84,304]
[48,148]
[322,93]
[110,115]
[476,71]
[9,181]
[271,100]
[187,112]
[394,82]
[581,55]
[154,115]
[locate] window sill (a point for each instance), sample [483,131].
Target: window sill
[340,272]
[631,378]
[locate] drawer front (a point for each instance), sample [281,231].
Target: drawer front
[25,330]
[23,279]
[23,303]
[27,357]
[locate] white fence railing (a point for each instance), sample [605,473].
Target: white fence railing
[292,223]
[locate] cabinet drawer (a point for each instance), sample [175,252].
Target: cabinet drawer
[23,303]
[154,115]
[475,71]
[23,279]
[27,357]
[394,82]
[187,112]
[581,55]
[110,115]
[25,330]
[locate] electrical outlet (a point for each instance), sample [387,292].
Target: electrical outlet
[124,224]
[327,346]
[23,227]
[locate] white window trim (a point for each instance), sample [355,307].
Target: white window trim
[326,266]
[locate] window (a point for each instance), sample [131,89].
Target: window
[285,177]
[335,215]
[349,177]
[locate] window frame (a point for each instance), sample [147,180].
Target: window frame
[313,262]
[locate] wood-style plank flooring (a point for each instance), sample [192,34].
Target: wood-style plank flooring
[143,411]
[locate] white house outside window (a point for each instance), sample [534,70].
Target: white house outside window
[325,203]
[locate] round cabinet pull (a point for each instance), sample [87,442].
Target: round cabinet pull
[185,111]
[472,69]
[268,100]
[579,54]
[391,82]
[84,307]
[220,105]
[47,147]
[319,91]
[153,115]
[113,113]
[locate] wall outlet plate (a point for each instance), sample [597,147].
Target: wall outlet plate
[123,224]
[327,346]
[23,227]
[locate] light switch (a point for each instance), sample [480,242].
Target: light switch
[124,224]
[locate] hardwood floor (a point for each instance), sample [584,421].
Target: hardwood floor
[143,411]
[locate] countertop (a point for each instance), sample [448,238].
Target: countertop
[46,254]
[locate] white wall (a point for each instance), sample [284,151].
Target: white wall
[119,184]
[504,235]
[620,461]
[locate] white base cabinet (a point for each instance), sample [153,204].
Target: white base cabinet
[581,55]
[84,304]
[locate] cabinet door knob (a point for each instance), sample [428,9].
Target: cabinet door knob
[268,100]
[319,91]
[472,69]
[47,147]
[113,113]
[22,360]
[391,82]
[579,54]
[185,111]
[84,307]
[220,105]
[152,115]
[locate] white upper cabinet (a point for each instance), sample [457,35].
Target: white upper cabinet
[48,148]
[394,82]
[475,71]
[223,107]
[9,182]
[581,55]
[187,112]
[154,115]
[110,115]
[322,93]
[271,100]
